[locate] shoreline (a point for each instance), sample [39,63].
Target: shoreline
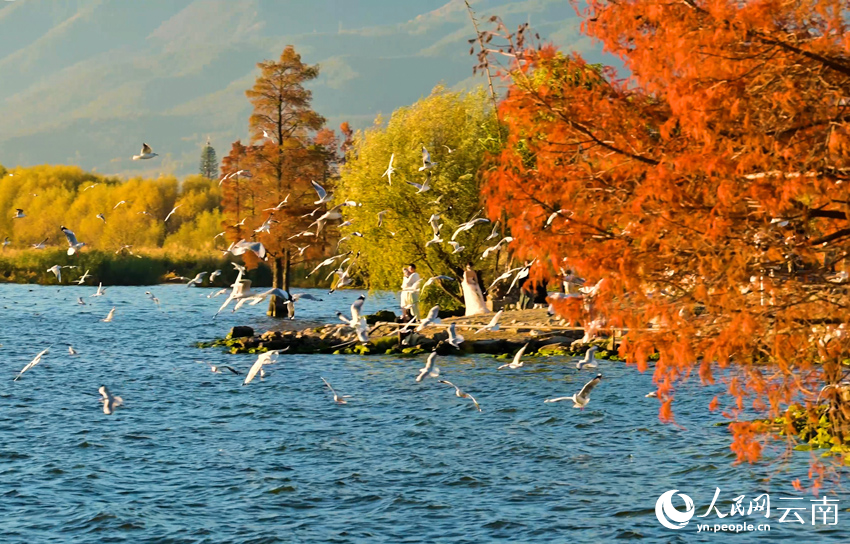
[543,335]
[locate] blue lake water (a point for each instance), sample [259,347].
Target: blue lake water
[196,457]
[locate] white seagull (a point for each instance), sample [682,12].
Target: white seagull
[495,233]
[92,186]
[581,398]
[430,369]
[174,209]
[589,360]
[217,369]
[110,402]
[73,244]
[517,362]
[457,248]
[71,350]
[279,206]
[100,290]
[497,247]
[468,225]
[462,394]
[32,363]
[40,245]
[153,298]
[147,153]
[455,340]
[267,225]
[100,216]
[19,214]
[324,196]
[119,203]
[389,171]
[197,280]
[263,359]
[57,270]
[424,187]
[427,163]
[381,217]
[216,273]
[339,399]
[431,318]
[242,246]
[109,316]
[493,326]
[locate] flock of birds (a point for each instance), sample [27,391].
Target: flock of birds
[241,294]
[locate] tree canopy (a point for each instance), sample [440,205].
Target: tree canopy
[54,196]
[707,191]
[458,129]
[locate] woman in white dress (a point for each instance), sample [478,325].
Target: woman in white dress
[473,298]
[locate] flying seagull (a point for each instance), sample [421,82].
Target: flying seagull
[197,280]
[153,298]
[324,196]
[455,340]
[174,209]
[267,225]
[71,350]
[425,186]
[100,216]
[110,402]
[263,359]
[495,233]
[40,245]
[32,363]
[457,248]
[83,278]
[430,318]
[100,290]
[493,326]
[339,399]
[389,171]
[73,244]
[19,214]
[497,247]
[109,316]
[581,398]
[462,394]
[92,186]
[517,362]
[279,206]
[217,369]
[430,369]
[216,273]
[589,360]
[427,163]
[147,153]
[468,225]
[381,217]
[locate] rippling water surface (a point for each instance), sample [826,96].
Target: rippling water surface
[196,457]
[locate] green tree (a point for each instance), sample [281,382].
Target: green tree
[209,162]
[458,129]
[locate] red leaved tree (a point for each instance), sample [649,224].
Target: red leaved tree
[289,151]
[709,191]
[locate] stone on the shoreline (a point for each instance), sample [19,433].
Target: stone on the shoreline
[381,315]
[240,332]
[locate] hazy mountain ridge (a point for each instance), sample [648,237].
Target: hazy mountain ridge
[86,82]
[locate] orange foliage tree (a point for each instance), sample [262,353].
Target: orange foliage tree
[708,191]
[289,150]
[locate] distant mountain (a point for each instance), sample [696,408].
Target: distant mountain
[87,81]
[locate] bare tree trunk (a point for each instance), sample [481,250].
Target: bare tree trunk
[280,279]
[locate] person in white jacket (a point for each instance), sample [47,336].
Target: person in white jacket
[410,293]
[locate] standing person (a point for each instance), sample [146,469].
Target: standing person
[410,293]
[473,298]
